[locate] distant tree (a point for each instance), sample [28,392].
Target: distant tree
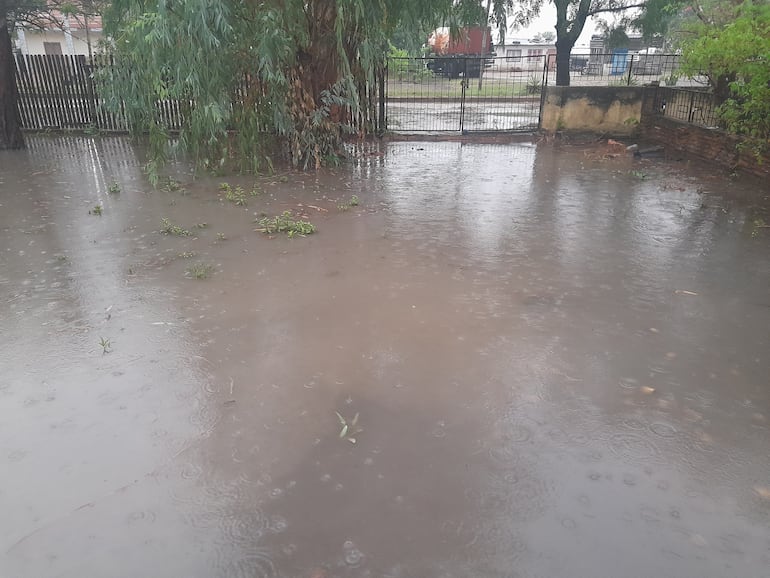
[543,37]
[571,16]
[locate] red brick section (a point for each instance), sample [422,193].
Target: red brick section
[708,144]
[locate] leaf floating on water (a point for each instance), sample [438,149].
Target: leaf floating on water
[342,419]
[684,292]
[352,440]
[344,431]
[647,389]
[763,492]
[355,420]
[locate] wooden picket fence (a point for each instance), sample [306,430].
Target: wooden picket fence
[59,92]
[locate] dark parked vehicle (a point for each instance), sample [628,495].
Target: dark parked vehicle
[578,64]
[461,55]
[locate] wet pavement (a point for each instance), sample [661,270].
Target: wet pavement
[559,362]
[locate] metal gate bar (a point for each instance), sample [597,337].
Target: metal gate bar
[446,95]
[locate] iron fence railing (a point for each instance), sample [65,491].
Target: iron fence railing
[463,94]
[687,105]
[622,68]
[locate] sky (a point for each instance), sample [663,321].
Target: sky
[545,23]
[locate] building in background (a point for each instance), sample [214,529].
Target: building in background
[58,33]
[525,56]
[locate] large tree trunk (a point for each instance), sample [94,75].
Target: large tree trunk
[10,123]
[321,57]
[563,51]
[317,70]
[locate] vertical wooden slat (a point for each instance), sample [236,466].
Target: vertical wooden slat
[53,88]
[41,87]
[70,92]
[25,102]
[100,118]
[79,90]
[70,100]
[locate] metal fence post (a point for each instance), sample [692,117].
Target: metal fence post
[546,63]
[463,85]
[630,68]
[383,75]
[691,112]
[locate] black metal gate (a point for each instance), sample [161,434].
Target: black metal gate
[464,94]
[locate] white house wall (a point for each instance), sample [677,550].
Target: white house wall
[33,41]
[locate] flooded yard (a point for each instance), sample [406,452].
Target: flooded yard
[557,361]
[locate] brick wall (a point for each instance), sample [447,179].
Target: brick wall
[708,144]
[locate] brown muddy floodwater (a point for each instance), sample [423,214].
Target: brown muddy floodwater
[560,365]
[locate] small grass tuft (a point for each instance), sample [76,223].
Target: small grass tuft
[235,195]
[353,202]
[171,186]
[285,223]
[106,345]
[221,237]
[168,228]
[97,210]
[113,188]
[199,271]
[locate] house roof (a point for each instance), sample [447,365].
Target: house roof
[54,19]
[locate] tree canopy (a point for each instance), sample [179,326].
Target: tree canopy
[571,16]
[735,56]
[298,69]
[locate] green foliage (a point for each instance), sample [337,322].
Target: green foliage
[168,228]
[171,185]
[97,210]
[534,84]
[235,195]
[244,73]
[199,271]
[285,223]
[352,202]
[736,59]
[571,16]
[113,188]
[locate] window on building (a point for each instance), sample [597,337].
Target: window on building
[52,47]
[513,54]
